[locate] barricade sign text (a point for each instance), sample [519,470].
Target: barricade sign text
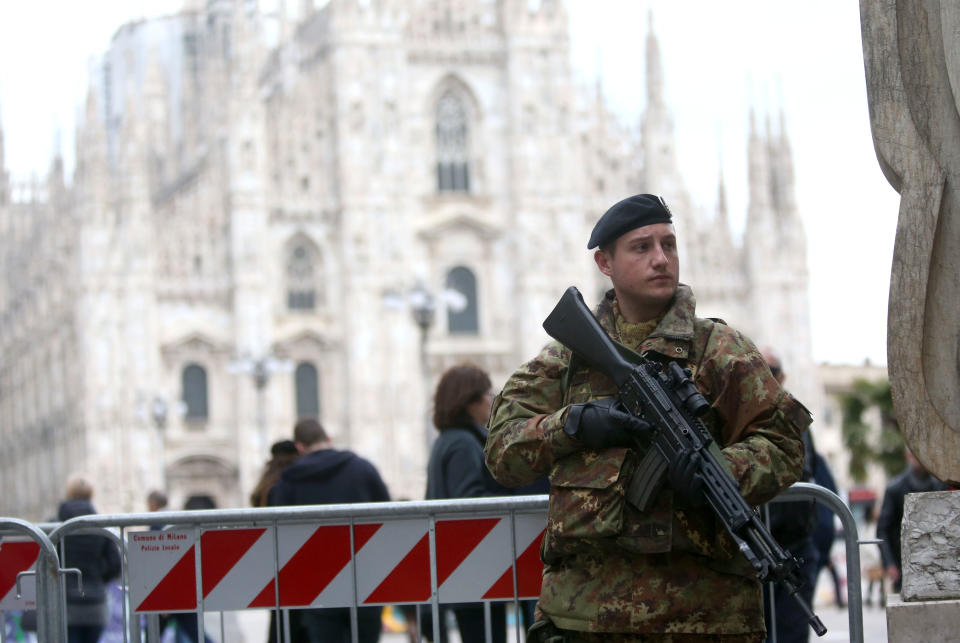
[163,575]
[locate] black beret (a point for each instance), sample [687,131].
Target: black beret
[633,212]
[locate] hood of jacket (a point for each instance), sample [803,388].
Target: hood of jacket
[318,465]
[73,508]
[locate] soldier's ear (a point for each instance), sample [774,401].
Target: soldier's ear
[602,257]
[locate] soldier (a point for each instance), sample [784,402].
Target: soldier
[671,573]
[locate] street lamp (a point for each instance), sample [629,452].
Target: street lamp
[423,308]
[158,410]
[261,369]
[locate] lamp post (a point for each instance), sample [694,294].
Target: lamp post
[158,410]
[261,369]
[158,413]
[423,307]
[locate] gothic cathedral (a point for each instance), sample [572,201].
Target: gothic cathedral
[278,216]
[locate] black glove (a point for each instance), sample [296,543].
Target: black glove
[604,423]
[685,478]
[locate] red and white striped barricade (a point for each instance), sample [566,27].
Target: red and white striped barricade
[15,557]
[475,559]
[162,571]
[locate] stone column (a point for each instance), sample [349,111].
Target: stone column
[928,608]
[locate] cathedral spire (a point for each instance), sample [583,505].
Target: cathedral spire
[654,66]
[780,170]
[4,187]
[660,172]
[758,173]
[722,214]
[3,162]
[55,180]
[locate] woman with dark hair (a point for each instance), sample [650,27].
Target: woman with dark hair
[97,557]
[282,454]
[457,470]
[461,408]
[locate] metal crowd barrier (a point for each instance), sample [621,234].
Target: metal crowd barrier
[50,604]
[808,491]
[413,553]
[386,554]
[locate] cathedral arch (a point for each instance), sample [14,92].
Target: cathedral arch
[455,113]
[200,474]
[462,310]
[193,380]
[303,270]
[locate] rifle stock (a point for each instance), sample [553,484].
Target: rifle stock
[572,324]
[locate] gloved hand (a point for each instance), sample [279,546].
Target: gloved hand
[604,423]
[684,478]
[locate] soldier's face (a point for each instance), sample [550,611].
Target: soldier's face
[644,268]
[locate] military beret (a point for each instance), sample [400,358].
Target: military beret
[633,212]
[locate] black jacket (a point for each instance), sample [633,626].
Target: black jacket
[97,557]
[891,512]
[328,476]
[792,523]
[457,469]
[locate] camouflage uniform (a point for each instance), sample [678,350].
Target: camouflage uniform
[672,569]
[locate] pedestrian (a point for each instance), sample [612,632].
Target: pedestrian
[914,479]
[324,475]
[461,408]
[156,501]
[97,558]
[283,453]
[792,525]
[611,571]
[185,626]
[825,533]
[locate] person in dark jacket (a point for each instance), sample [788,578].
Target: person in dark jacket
[283,453]
[324,475]
[97,558]
[456,470]
[915,479]
[792,525]
[825,533]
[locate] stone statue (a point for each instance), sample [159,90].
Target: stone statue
[912,61]
[911,57]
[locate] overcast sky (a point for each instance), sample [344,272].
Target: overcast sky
[804,58]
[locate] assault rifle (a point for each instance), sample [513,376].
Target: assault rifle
[668,399]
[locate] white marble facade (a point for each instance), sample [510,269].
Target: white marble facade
[252,186]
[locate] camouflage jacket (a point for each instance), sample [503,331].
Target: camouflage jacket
[608,567]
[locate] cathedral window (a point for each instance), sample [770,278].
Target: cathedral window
[453,153]
[194,381]
[307,388]
[462,312]
[302,280]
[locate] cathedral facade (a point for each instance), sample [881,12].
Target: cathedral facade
[278,216]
